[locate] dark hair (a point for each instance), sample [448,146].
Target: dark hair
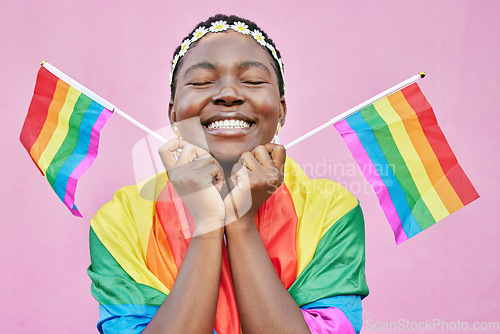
[230,20]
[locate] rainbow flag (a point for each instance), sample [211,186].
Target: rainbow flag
[61,133]
[403,153]
[314,241]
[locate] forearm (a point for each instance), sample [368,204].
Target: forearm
[192,303]
[264,305]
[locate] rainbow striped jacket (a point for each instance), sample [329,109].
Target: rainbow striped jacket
[313,231]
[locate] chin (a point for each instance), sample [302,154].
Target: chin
[226,158]
[229,151]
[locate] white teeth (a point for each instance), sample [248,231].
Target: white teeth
[229,124]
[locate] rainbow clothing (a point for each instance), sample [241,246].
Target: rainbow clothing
[313,231]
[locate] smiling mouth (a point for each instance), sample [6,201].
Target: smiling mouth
[229,124]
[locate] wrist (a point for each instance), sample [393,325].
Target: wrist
[208,234]
[209,227]
[241,225]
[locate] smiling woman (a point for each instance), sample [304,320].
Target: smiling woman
[229,79]
[238,238]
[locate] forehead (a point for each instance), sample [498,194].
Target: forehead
[227,48]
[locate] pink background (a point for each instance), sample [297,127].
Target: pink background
[337,54]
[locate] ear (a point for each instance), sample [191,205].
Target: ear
[282,111]
[171,112]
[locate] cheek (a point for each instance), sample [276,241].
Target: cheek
[268,107]
[189,105]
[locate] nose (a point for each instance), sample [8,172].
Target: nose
[228,95]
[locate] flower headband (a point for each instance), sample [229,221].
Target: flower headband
[219,26]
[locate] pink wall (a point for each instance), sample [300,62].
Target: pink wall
[337,53]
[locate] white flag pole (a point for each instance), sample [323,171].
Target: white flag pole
[99,99]
[139,125]
[357,108]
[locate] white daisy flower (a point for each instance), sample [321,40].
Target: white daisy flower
[218,26]
[175,60]
[184,47]
[240,27]
[273,51]
[257,35]
[281,66]
[199,33]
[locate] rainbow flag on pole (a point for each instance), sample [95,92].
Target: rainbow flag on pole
[403,153]
[61,131]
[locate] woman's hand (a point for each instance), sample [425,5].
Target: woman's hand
[254,179]
[197,177]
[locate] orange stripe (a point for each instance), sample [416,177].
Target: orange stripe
[431,164]
[226,319]
[50,124]
[159,258]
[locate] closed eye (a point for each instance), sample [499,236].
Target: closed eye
[203,83]
[254,82]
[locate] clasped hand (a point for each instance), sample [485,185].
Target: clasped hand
[214,199]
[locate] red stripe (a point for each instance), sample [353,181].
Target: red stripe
[175,229]
[454,173]
[277,225]
[45,87]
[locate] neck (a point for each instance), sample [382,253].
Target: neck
[227,167]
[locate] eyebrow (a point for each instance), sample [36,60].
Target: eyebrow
[250,63]
[204,64]
[245,65]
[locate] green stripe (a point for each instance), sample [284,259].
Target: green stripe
[111,285]
[398,165]
[338,265]
[69,143]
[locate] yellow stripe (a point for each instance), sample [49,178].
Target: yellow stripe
[61,130]
[429,159]
[412,160]
[123,225]
[118,222]
[318,204]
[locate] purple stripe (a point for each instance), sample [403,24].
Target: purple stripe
[69,197]
[371,174]
[75,212]
[327,320]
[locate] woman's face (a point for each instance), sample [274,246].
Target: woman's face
[228,81]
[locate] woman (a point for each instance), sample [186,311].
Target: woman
[239,237]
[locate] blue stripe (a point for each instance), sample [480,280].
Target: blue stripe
[125,319]
[81,149]
[350,305]
[396,193]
